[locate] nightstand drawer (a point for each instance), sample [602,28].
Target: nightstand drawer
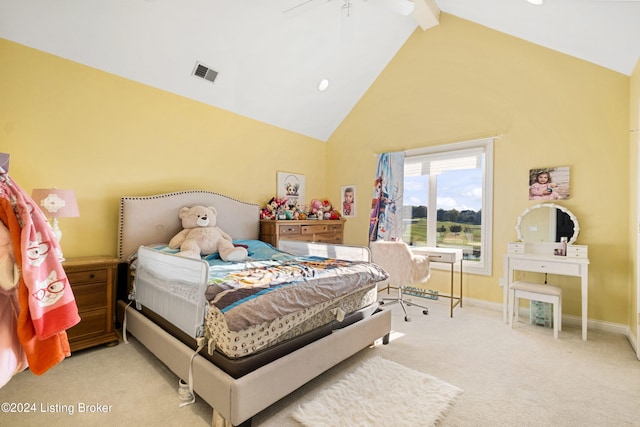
[90,295]
[93,282]
[77,277]
[93,324]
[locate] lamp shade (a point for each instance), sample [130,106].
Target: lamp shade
[56,203]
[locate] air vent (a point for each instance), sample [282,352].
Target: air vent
[205,72]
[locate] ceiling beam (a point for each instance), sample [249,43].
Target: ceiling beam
[426,13]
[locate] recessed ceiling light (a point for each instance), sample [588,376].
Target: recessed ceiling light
[323,85]
[536,2]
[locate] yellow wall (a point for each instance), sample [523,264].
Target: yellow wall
[71,126]
[461,81]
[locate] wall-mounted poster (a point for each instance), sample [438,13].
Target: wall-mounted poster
[291,187]
[549,183]
[348,198]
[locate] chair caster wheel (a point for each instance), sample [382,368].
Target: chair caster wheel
[407,319]
[425,312]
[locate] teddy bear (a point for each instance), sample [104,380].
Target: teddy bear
[200,236]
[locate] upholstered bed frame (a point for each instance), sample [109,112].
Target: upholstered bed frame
[154,219]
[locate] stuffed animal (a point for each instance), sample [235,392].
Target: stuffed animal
[201,236]
[315,209]
[326,209]
[270,210]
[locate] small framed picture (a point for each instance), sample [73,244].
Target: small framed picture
[348,198]
[291,187]
[549,183]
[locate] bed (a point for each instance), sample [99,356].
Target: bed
[238,383]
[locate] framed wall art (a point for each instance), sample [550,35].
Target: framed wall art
[549,183]
[348,200]
[291,186]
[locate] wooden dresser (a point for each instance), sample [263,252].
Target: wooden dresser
[310,230]
[93,280]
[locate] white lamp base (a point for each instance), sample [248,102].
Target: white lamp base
[58,235]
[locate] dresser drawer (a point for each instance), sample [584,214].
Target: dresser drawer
[313,229]
[545,266]
[310,230]
[328,238]
[335,228]
[289,229]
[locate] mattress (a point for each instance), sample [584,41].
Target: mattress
[243,308]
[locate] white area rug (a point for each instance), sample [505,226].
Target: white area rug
[379,392]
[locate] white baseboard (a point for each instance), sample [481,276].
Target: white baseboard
[634,343]
[616,328]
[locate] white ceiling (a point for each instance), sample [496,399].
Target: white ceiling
[270,62]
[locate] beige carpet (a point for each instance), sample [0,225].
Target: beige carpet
[519,376]
[379,392]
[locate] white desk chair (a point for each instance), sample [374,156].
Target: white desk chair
[536,292]
[404,268]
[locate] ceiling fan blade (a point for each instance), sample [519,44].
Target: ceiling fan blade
[401,7]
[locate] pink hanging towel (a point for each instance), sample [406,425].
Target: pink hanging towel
[47,304]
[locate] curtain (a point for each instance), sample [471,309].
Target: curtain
[386,204]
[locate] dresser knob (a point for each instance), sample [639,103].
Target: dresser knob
[91,276]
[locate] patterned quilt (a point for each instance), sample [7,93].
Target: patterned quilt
[272,284]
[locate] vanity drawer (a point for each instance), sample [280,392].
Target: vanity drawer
[516,248]
[546,266]
[577,251]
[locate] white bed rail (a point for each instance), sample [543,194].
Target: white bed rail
[173,287]
[327,250]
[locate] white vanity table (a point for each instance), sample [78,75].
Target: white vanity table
[534,253]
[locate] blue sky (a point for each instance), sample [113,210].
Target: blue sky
[457,189]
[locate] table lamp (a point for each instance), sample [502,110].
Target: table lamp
[56,204]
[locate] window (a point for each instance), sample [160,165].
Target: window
[448,198]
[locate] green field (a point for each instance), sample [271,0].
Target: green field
[468,238]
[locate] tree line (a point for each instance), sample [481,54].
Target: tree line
[452,215]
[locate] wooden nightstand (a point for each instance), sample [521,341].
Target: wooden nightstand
[314,230]
[93,281]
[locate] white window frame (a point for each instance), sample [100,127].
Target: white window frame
[482,267]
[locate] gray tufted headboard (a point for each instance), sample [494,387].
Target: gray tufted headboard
[154,219]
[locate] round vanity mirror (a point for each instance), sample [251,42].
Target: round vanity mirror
[547,222]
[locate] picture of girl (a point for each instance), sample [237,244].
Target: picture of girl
[349,200]
[542,188]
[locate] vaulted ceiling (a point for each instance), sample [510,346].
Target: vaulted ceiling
[270,56]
